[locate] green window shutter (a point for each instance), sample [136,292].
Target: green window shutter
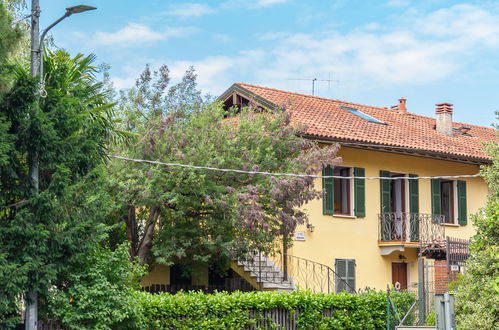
[340,267]
[328,191]
[345,272]
[461,203]
[436,201]
[385,192]
[350,278]
[360,192]
[414,194]
[414,207]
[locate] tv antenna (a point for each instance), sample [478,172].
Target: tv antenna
[313,80]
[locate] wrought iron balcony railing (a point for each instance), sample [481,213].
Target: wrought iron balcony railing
[411,227]
[298,273]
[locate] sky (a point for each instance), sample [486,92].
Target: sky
[373,52]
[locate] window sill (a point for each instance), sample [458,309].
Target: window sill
[450,225]
[344,216]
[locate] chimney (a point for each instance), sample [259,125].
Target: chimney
[444,118]
[402,106]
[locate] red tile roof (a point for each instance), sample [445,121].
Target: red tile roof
[324,118]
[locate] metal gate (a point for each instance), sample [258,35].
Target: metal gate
[435,275]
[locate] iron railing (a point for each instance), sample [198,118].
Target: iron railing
[458,250]
[411,227]
[288,271]
[230,285]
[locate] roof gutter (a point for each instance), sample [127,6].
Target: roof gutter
[400,150]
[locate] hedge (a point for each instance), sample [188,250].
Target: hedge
[196,310]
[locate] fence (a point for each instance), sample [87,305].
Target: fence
[51,324]
[300,273]
[230,285]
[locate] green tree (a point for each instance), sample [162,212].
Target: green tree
[477,297]
[71,130]
[100,294]
[153,96]
[9,40]
[197,216]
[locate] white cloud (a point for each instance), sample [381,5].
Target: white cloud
[134,33]
[254,4]
[468,23]
[267,3]
[424,49]
[397,3]
[186,10]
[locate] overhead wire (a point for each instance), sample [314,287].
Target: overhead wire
[230,170]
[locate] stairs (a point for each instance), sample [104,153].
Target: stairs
[266,273]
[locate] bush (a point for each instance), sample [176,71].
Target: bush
[99,293]
[195,310]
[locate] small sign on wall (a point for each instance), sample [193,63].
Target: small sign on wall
[454,268]
[299,235]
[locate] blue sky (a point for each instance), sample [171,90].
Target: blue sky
[429,51]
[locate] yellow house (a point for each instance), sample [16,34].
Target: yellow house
[379,213]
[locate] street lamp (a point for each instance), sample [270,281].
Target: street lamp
[31,318]
[69,11]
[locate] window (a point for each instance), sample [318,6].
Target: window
[449,199]
[344,196]
[342,191]
[400,195]
[399,200]
[345,275]
[362,115]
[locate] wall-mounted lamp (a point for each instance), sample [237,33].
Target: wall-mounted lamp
[402,257]
[310,227]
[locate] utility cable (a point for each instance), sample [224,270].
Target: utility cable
[153,162]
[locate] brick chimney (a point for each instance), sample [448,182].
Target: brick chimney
[402,106]
[444,118]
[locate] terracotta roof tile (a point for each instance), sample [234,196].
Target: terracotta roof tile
[325,118]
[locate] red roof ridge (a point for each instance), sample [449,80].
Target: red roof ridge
[316,97]
[407,113]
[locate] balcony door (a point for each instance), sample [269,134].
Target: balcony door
[398,205]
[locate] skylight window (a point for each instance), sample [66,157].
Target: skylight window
[362,115]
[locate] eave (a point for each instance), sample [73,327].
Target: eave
[400,150]
[238,89]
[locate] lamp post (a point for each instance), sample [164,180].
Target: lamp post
[36,67]
[69,11]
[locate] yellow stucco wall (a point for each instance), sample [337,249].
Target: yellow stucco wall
[357,238]
[160,274]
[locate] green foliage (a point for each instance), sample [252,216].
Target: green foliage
[477,296]
[231,311]
[70,130]
[9,39]
[99,292]
[430,319]
[206,214]
[152,96]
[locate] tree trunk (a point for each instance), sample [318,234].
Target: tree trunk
[132,231]
[145,244]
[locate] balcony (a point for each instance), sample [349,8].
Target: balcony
[398,231]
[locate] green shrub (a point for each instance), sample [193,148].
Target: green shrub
[100,292]
[195,310]
[430,319]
